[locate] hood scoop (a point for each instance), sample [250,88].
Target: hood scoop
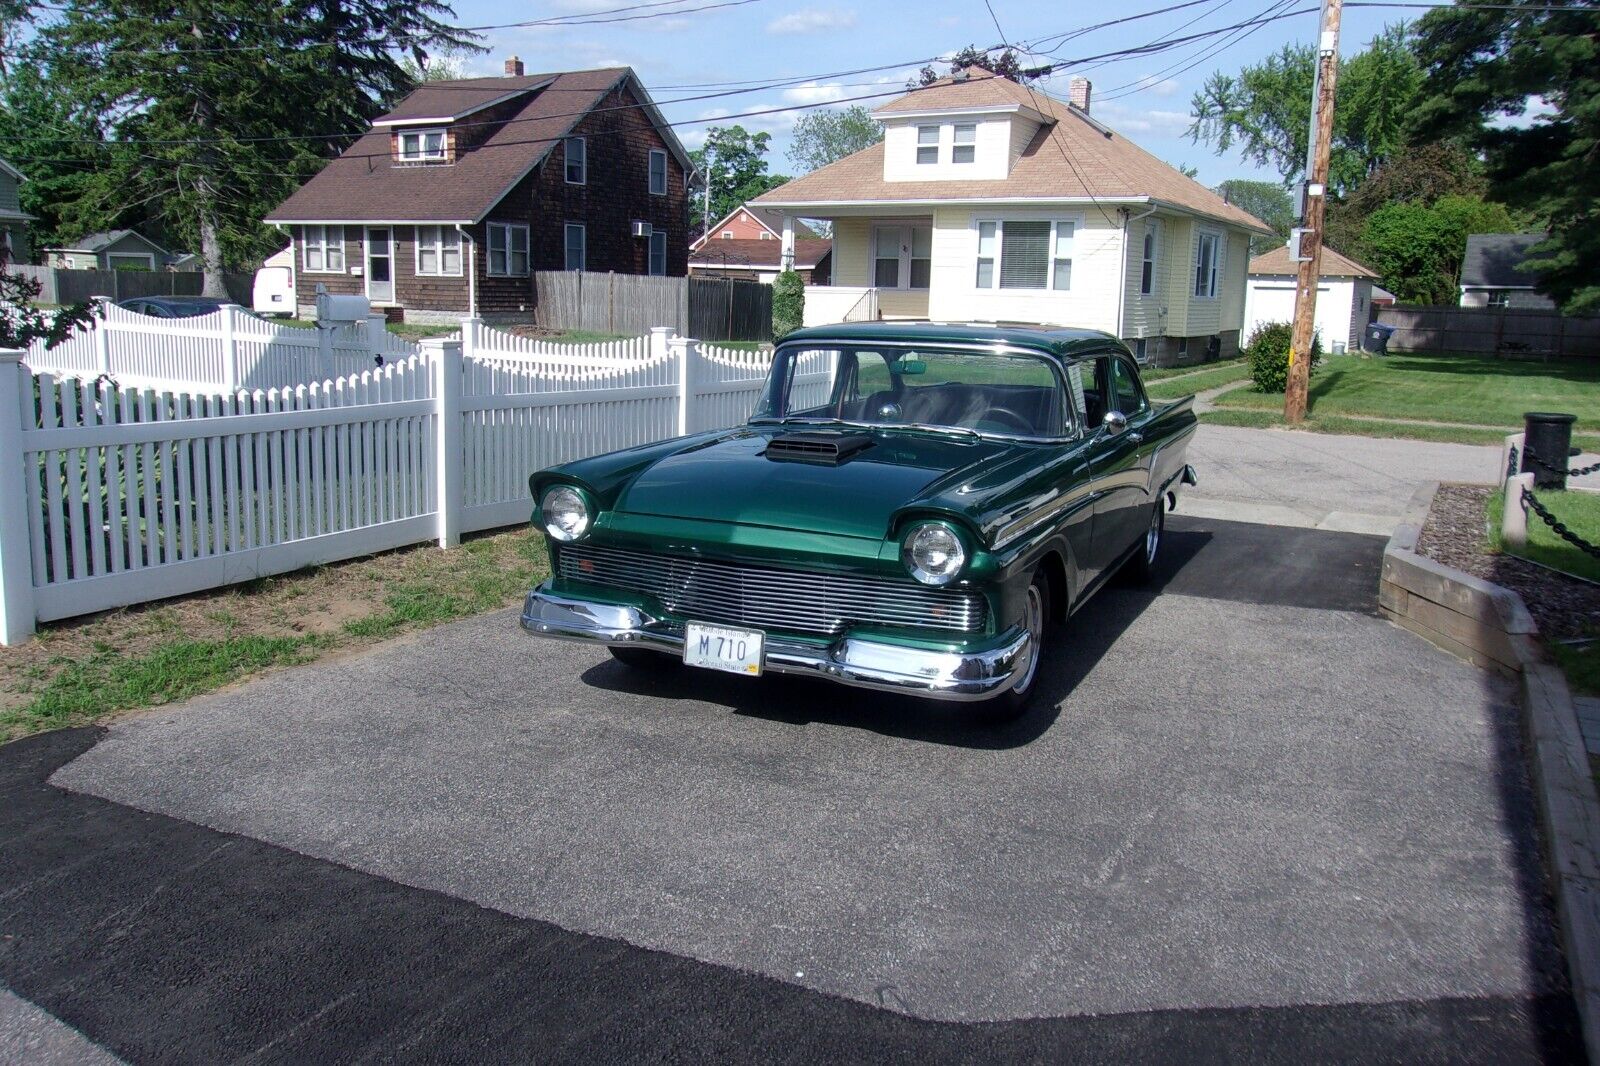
[827,449]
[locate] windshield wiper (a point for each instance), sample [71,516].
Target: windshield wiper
[929,427]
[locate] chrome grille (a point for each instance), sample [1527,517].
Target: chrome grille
[772,597]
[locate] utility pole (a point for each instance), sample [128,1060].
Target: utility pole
[1316,202]
[705,212]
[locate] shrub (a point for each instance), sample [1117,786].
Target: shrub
[788,304]
[1268,353]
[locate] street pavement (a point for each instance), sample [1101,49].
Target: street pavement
[1247,814]
[1320,480]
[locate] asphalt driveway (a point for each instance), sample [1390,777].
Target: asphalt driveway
[1248,814]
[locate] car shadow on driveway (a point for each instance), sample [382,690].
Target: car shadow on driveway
[1071,652]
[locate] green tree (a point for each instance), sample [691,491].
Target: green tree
[827,135]
[1415,174]
[1266,108]
[1417,249]
[218,109]
[1485,67]
[788,304]
[1003,62]
[1265,200]
[60,147]
[734,161]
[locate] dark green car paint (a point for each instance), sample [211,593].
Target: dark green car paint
[1076,506]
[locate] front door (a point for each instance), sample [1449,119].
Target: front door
[380,265]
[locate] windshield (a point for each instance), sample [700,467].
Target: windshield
[1015,395]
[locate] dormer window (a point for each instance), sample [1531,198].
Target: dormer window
[927,145]
[966,144]
[422,146]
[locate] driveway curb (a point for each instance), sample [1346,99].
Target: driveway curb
[1490,626]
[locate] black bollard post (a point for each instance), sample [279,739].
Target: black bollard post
[1548,437]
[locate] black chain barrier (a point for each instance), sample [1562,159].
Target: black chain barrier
[1511,467]
[1531,502]
[1581,471]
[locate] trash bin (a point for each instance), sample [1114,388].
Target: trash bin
[1549,437]
[1376,338]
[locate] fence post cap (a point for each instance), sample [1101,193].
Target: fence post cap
[439,344]
[661,329]
[12,355]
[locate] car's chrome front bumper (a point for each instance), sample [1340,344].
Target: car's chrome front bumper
[966,675]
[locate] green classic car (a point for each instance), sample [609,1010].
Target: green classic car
[908,508]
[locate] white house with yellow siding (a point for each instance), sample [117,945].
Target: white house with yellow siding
[989,201]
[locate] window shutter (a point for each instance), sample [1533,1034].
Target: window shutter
[1025,255]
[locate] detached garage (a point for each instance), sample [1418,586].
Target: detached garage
[1344,297]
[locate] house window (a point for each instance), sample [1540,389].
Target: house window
[420,146]
[921,256]
[1025,253]
[927,144]
[1147,269]
[1061,262]
[577,246]
[988,241]
[1183,348]
[727,234]
[658,172]
[966,144]
[658,253]
[438,251]
[508,249]
[1141,348]
[575,152]
[1499,298]
[322,249]
[1206,253]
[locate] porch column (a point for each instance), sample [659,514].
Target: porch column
[786,261]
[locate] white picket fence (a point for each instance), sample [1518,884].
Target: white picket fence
[112,494]
[226,350]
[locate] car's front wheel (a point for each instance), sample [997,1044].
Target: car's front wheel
[643,658]
[1010,704]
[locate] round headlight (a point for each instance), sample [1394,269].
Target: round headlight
[566,516]
[933,553]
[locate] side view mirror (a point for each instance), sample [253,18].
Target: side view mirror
[1114,422]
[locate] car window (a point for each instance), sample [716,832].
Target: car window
[1130,398]
[1091,384]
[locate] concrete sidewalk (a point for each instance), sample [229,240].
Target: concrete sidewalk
[1321,481]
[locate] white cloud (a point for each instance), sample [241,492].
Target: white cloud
[812,20]
[814,93]
[1127,119]
[1159,86]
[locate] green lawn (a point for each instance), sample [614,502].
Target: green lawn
[1171,388]
[1159,373]
[1578,511]
[1361,427]
[1442,388]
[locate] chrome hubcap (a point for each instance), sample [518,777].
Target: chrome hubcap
[1035,623]
[1152,536]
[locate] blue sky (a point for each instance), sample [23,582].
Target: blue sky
[762,41]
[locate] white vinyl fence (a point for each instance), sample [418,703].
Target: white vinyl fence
[114,494]
[227,350]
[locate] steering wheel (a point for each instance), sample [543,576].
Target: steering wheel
[1007,419]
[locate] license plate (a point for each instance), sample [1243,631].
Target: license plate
[738,651]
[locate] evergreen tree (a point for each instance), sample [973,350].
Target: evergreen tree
[1486,67]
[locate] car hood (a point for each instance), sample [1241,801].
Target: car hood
[730,479]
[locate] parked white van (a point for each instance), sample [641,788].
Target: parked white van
[273,292]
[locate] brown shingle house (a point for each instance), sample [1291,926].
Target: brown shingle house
[454,200]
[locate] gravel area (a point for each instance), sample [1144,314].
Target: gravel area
[1456,534]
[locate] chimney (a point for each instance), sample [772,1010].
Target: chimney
[514,68]
[1078,90]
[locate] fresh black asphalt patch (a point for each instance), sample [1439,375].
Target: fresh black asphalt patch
[166,942]
[163,940]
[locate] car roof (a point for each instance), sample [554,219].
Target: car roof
[1062,342]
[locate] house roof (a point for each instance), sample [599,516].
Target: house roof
[746,254]
[451,101]
[366,184]
[768,219]
[1333,264]
[13,171]
[99,242]
[1072,157]
[1492,259]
